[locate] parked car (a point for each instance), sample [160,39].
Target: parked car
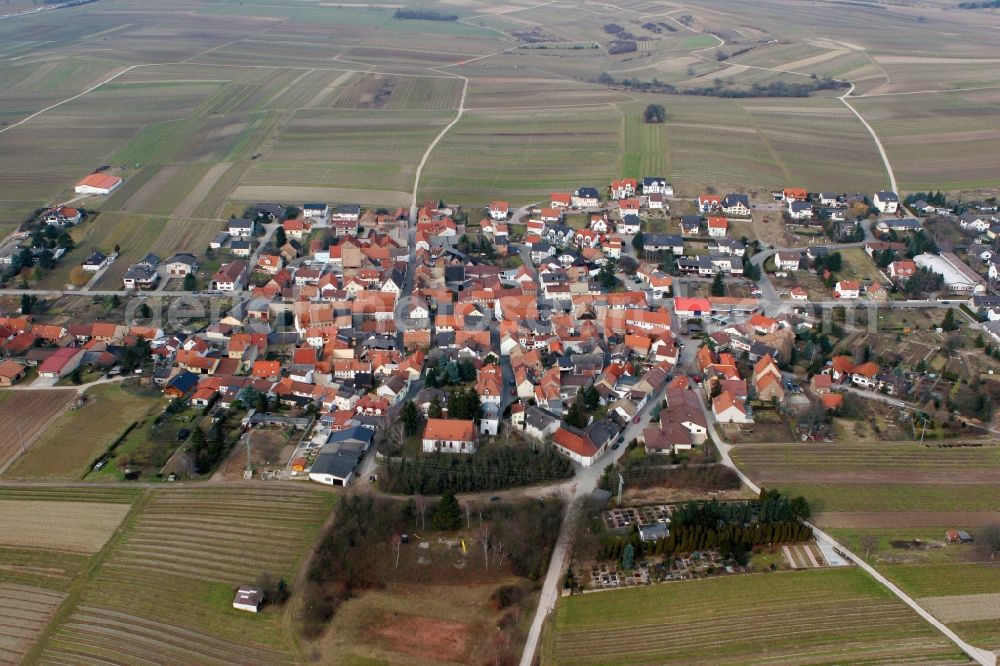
[614,447]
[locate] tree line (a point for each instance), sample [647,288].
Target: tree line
[492,468]
[423,15]
[728,539]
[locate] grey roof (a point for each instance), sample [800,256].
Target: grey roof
[885,195]
[732,199]
[355,434]
[797,206]
[183,258]
[240,223]
[539,418]
[348,209]
[588,192]
[337,462]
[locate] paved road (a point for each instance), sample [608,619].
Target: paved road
[586,480]
[980,656]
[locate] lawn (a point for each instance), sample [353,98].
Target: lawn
[70,446]
[810,616]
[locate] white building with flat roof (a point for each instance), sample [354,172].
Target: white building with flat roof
[957,276]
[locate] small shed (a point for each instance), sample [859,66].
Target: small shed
[958,536]
[248,599]
[653,532]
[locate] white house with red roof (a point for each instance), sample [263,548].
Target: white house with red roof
[499,210]
[847,289]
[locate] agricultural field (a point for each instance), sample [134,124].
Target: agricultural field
[193,546]
[343,156]
[525,154]
[808,616]
[77,527]
[26,415]
[944,141]
[78,437]
[24,613]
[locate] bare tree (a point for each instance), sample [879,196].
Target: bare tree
[468,515]
[397,543]
[988,541]
[421,504]
[869,542]
[499,553]
[484,542]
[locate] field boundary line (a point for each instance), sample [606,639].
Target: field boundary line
[69,99]
[83,579]
[980,656]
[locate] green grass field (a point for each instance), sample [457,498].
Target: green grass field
[815,616]
[67,449]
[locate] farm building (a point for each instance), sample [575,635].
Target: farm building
[11,372]
[61,362]
[335,465]
[958,536]
[98,183]
[248,599]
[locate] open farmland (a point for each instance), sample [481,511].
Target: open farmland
[943,141]
[358,151]
[71,444]
[24,613]
[810,616]
[847,481]
[193,546]
[24,415]
[524,154]
[80,527]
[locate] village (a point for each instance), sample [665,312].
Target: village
[591,321]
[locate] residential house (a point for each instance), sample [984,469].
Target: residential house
[886,202]
[230,277]
[586,197]
[736,205]
[800,210]
[728,408]
[240,228]
[717,226]
[709,203]
[657,185]
[787,261]
[499,210]
[847,289]
[96,261]
[624,188]
[450,436]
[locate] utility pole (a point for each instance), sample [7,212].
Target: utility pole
[621,485]
[248,474]
[20,433]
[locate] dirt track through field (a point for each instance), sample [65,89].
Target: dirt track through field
[201,190]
